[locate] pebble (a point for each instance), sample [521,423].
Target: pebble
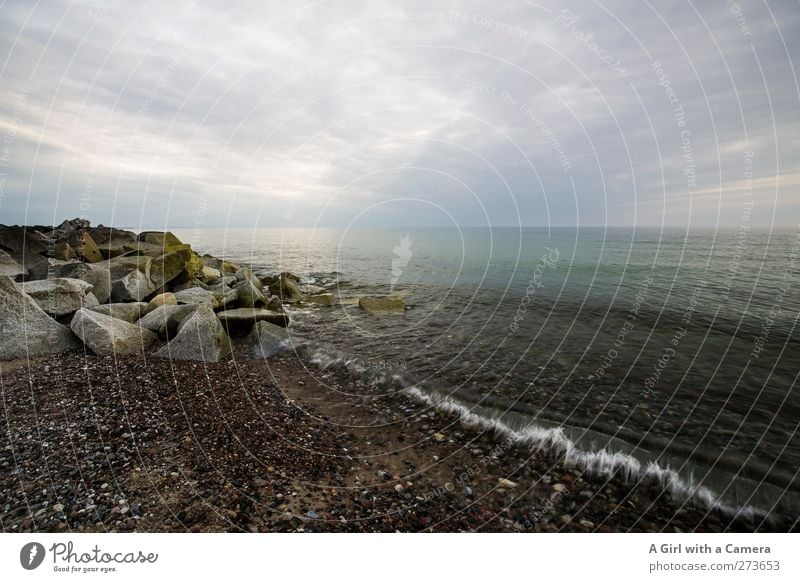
[506,483]
[58,507]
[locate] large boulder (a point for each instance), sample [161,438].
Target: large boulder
[134,286]
[167,267]
[150,250]
[163,239]
[165,319]
[246,274]
[129,312]
[84,245]
[98,276]
[249,295]
[45,267]
[241,320]
[200,337]
[196,296]
[25,329]
[59,296]
[159,300]
[106,335]
[219,264]
[8,266]
[382,304]
[287,289]
[267,339]
[24,244]
[62,251]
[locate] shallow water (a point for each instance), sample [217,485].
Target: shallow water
[674,348]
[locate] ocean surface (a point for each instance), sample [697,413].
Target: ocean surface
[665,354]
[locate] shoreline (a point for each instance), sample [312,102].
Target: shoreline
[137,443]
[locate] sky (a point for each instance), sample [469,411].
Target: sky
[381,113]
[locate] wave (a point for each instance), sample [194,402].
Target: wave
[576,447]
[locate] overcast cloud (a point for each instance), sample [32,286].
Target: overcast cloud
[389,113]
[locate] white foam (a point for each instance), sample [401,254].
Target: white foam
[555,442]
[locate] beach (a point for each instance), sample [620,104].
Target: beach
[99,444]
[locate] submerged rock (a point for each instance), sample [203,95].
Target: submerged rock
[26,329]
[267,339]
[106,335]
[382,304]
[287,289]
[242,319]
[200,337]
[325,299]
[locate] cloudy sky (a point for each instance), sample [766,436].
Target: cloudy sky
[400,113]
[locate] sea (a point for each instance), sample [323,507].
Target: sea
[655,354]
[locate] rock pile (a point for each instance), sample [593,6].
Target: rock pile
[120,293]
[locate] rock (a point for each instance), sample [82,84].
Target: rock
[219,264]
[382,304]
[286,289]
[144,249]
[167,267]
[197,296]
[103,235]
[8,266]
[165,319]
[98,276]
[311,289]
[162,239]
[90,300]
[249,295]
[274,304]
[240,320]
[62,251]
[506,483]
[158,301]
[211,274]
[25,329]
[84,246]
[129,312]
[193,270]
[25,245]
[326,299]
[267,339]
[106,335]
[59,296]
[559,487]
[200,337]
[134,286]
[245,274]
[439,437]
[44,268]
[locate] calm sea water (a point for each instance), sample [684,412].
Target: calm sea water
[677,350]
